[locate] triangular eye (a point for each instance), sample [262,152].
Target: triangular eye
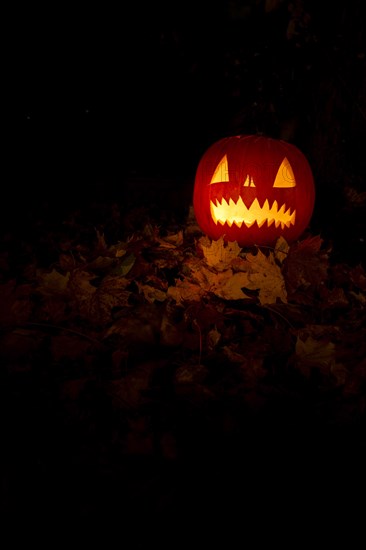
[285,176]
[249,182]
[221,173]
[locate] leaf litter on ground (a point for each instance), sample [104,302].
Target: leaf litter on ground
[164,320]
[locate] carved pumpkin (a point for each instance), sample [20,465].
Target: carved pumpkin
[253,189]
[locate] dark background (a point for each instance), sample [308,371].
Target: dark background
[116,105]
[101,95]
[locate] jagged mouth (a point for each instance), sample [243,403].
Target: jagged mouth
[237,213]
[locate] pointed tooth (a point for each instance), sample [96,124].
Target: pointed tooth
[270,222]
[288,212]
[277,223]
[282,210]
[260,223]
[255,205]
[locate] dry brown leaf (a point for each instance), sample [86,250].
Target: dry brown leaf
[171,241]
[53,282]
[185,291]
[213,338]
[266,276]
[256,272]
[233,355]
[334,298]
[219,254]
[340,373]
[190,374]
[281,250]
[224,284]
[171,328]
[358,277]
[16,305]
[272,5]
[312,353]
[127,392]
[101,264]
[143,328]
[79,285]
[125,265]
[359,297]
[52,309]
[151,293]
[229,285]
[111,294]
[306,267]
[118,250]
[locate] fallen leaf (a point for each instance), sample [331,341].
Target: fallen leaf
[185,291]
[358,277]
[151,293]
[53,282]
[16,305]
[219,254]
[213,338]
[229,285]
[312,353]
[111,294]
[281,249]
[266,276]
[305,268]
[171,241]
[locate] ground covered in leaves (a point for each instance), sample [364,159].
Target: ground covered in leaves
[148,372]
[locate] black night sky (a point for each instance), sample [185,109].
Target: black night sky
[99,95]
[100,92]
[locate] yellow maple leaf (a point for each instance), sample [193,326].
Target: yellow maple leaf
[229,285]
[185,291]
[281,249]
[219,254]
[265,275]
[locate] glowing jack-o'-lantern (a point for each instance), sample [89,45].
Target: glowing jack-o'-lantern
[253,189]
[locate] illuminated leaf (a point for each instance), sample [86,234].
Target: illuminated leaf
[219,254]
[266,276]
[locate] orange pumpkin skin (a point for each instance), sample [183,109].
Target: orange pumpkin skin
[253,189]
